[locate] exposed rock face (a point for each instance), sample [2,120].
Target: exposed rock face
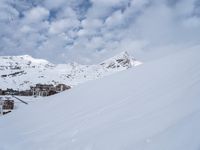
[123,60]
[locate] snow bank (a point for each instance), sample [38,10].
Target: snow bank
[152,107]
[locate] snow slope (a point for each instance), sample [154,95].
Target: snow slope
[152,107]
[21,72]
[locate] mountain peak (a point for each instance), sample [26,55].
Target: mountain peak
[123,59]
[123,53]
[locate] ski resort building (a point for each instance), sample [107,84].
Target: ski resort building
[62,87]
[48,89]
[6,105]
[42,89]
[37,90]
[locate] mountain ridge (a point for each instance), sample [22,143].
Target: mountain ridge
[21,72]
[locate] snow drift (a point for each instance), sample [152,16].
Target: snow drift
[152,107]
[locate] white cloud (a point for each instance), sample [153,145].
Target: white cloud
[26,29]
[192,22]
[54,4]
[7,12]
[115,19]
[89,31]
[63,25]
[36,14]
[92,24]
[66,12]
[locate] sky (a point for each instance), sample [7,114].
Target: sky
[89,31]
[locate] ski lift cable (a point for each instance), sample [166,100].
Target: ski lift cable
[20,100]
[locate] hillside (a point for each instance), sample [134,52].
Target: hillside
[151,107]
[21,72]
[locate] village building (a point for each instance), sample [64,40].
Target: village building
[42,89]
[37,90]
[6,105]
[62,87]
[1,106]
[48,89]
[10,92]
[25,93]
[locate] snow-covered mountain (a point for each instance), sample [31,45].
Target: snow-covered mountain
[155,106]
[20,72]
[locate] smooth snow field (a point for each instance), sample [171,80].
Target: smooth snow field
[155,106]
